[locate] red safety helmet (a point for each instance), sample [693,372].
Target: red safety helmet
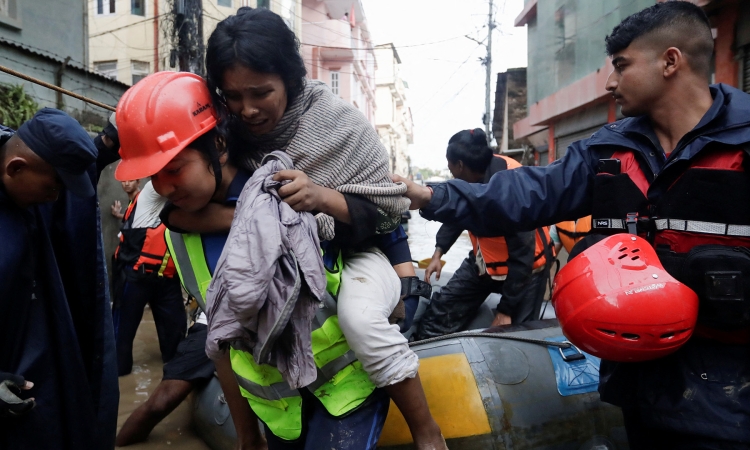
[157,118]
[616,301]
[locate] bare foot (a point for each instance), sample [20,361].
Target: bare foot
[433,442]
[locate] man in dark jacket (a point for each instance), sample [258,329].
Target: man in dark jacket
[55,329]
[674,171]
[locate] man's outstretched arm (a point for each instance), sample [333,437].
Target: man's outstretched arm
[514,200]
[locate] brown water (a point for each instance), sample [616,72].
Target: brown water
[174,431]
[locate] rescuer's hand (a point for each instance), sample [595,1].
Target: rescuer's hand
[10,403]
[420,196]
[435,267]
[116,209]
[501,319]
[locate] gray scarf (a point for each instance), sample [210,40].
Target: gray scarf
[333,143]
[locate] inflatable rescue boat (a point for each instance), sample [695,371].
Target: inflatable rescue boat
[513,387]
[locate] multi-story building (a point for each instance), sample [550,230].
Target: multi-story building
[393,118]
[338,50]
[129,39]
[568,67]
[48,41]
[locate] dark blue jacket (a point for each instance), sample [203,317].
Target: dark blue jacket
[700,389]
[55,325]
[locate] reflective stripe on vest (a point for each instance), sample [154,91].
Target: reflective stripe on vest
[186,248]
[342,384]
[696,226]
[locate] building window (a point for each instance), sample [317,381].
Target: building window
[335,82]
[104,7]
[138,7]
[264,4]
[139,70]
[107,68]
[227,3]
[9,13]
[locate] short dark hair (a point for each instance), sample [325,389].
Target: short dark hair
[470,146]
[676,23]
[259,40]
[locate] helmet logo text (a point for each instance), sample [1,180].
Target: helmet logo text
[201,108]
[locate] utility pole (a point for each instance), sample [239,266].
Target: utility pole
[188,26]
[488,86]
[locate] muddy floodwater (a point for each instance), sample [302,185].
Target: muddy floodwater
[175,431]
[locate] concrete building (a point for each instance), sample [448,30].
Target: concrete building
[129,39]
[568,69]
[338,50]
[393,118]
[48,41]
[510,107]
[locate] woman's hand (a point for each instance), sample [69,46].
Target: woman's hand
[304,195]
[301,194]
[420,196]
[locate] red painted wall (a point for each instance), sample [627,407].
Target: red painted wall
[727,67]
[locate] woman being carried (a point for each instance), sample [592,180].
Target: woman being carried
[256,77]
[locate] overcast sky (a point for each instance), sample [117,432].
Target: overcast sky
[446,79]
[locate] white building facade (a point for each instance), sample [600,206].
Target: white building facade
[129,39]
[393,118]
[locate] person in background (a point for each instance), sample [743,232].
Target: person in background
[131,188]
[514,265]
[147,273]
[56,340]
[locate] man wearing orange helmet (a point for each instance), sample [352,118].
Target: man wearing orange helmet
[675,172]
[187,167]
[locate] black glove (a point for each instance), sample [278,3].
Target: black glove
[10,403]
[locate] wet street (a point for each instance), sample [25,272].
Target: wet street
[175,431]
[422,242]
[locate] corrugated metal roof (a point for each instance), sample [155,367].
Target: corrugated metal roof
[45,54]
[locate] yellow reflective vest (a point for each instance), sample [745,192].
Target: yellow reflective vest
[342,384]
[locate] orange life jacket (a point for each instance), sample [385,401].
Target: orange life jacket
[572,231]
[144,248]
[493,251]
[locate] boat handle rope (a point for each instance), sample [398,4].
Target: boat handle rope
[560,345]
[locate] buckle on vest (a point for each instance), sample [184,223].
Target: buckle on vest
[631,223]
[415,286]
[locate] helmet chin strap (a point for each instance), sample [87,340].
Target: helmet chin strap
[216,164]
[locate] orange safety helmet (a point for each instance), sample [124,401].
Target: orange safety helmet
[157,118]
[616,301]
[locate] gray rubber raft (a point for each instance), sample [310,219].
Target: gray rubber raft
[515,387]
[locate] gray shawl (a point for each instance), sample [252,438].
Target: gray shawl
[333,143]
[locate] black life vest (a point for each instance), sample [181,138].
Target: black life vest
[700,225]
